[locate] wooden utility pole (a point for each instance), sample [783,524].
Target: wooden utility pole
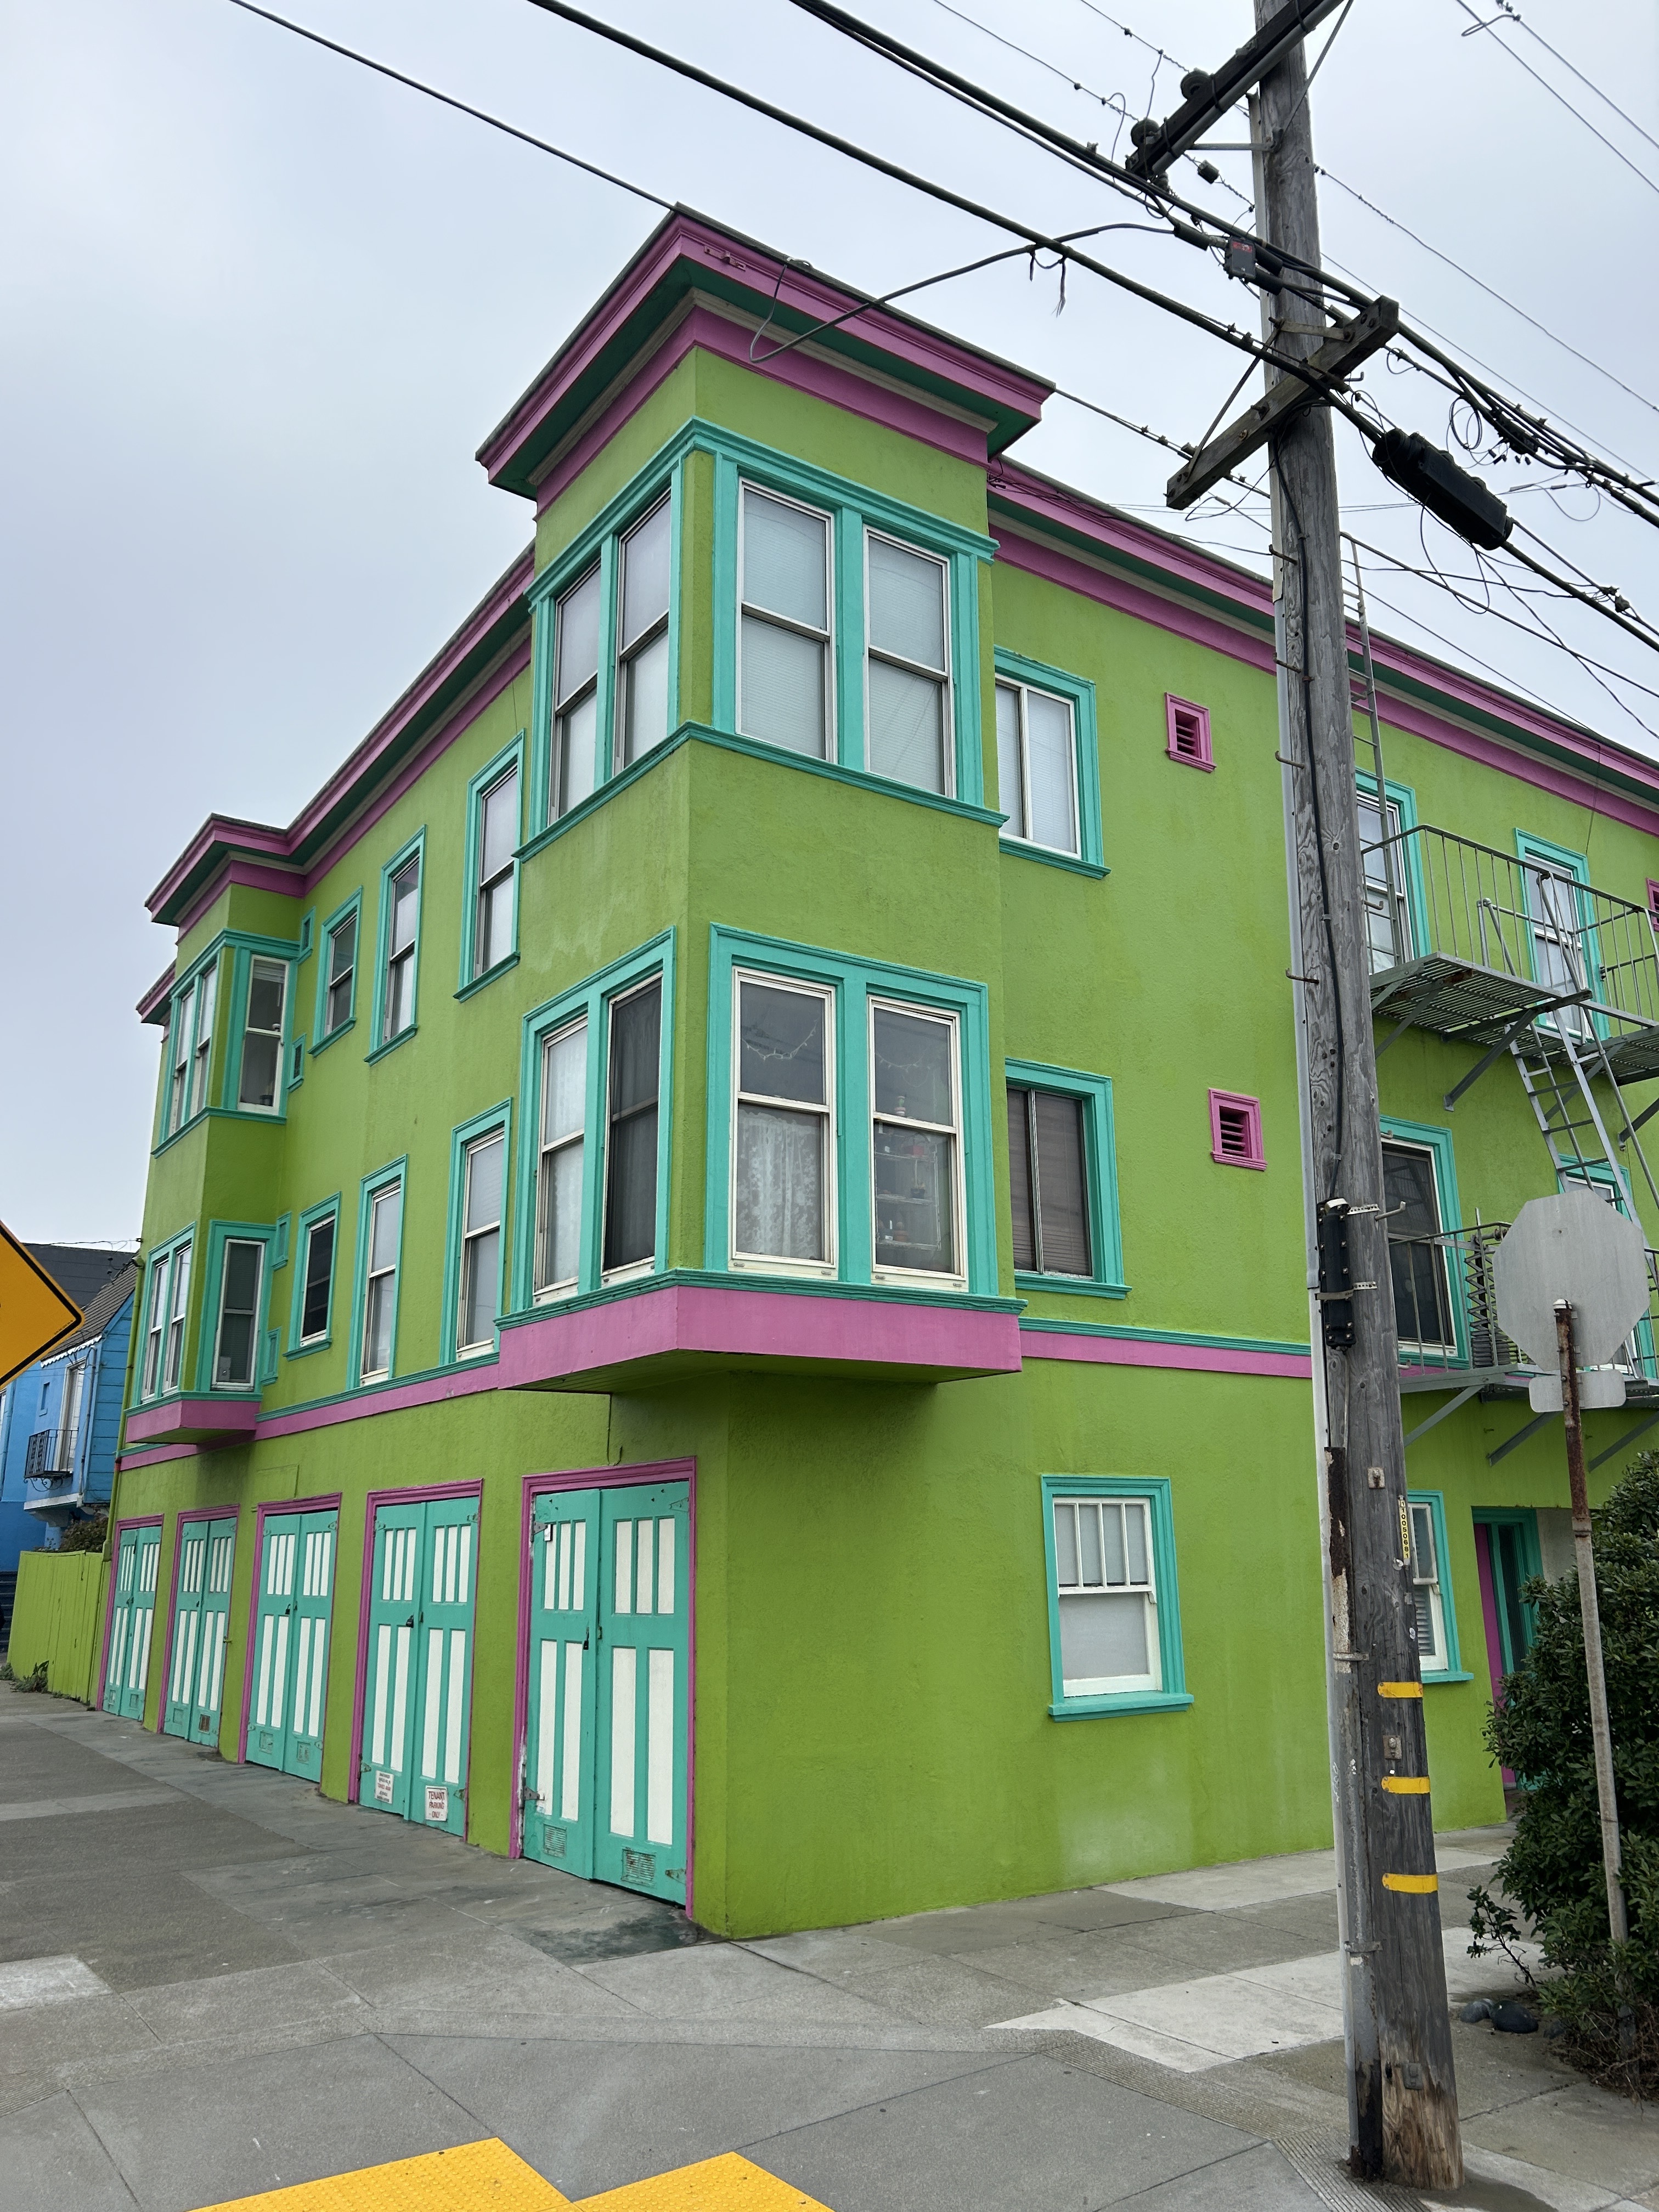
[1402,2103]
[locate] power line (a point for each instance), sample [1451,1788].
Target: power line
[1053,68]
[1556,94]
[1515,17]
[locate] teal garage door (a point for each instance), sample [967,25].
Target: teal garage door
[196,1674]
[293,1611]
[418,1695]
[132,1617]
[609,1687]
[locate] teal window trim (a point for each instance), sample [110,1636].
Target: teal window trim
[394,1172]
[307,935]
[591,999]
[158,1274]
[1078,693]
[1403,800]
[295,1063]
[322,1036]
[279,1241]
[854,983]
[1157,1491]
[1439,1143]
[1100,1172]
[599,543]
[187,1007]
[236,1042]
[1608,1178]
[383,1044]
[307,1221]
[219,1234]
[1453,1669]
[462,1138]
[1524,1520]
[511,757]
[1562,860]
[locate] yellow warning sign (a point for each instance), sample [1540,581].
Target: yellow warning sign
[487,2177]
[34,1314]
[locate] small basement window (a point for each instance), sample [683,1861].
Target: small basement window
[1236,1130]
[1188,729]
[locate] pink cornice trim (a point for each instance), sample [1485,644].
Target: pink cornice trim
[233,1420]
[604,1478]
[329,1503]
[841,384]
[372,1505]
[156,998]
[704,248]
[1138,1351]
[773,1325]
[1107,589]
[432,1390]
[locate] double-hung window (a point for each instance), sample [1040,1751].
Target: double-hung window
[642,636]
[201,1048]
[916,1140]
[317,1279]
[784,679]
[478,1303]
[402,916]
[1426,1595]
[340,974]
[907,711]
[1417,1258]
[782,1207]
[1382,862]
[493,892]
[559,1179]
[575,694]
[241,1267]
[164,1337]
[631,1108]
[1050,1182]
[1036,767]
[179,1083]
[386,1209]
[1106,1590]
[69,1418]
[262,1035]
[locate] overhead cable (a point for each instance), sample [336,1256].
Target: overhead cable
[1555,92]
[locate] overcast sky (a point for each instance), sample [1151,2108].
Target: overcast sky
[260,306]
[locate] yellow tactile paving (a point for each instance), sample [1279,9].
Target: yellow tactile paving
[487,2177]
[729,2184]
[480,2177]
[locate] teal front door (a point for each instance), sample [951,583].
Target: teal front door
[609,1705]
[132,1617]
[195,1676]
[293,1613]
[412,1759]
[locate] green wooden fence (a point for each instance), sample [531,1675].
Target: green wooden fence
[56,1617]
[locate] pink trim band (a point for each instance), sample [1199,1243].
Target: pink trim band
[1138,1351]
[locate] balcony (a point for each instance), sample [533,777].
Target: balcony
[1446,1318]
[1479,946]
[49,1455]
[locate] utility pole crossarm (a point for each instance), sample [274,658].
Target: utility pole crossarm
[1334,360]
[1217,93]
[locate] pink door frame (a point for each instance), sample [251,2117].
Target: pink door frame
[413,1493]
[138,1521]
[328,1505]
[191,1513]
[1489,1618]
[607,1478]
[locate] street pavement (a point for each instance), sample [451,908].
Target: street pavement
[214,1983]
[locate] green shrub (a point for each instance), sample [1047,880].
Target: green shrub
[1606,1996]
[85,1535]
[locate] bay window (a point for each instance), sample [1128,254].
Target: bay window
[784,621]
[178,1299]
[241,1266]
[207,992]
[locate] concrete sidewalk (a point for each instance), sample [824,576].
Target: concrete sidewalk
[222,1983]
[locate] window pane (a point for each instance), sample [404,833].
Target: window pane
[1010,796]
[1409,1185]
[564,1082]
[783,687]
[630,1224]
[782,1052]
[645,575]
[780,1183]
[483,1185]
[1062,1192]
[264,994]
[377,1326]
[1102,1639]
[907,603]
[478,1287]
[913,1066]
[916,1191]
[579,635]
[1424,1565]
[1050,750]
[239,1301]
[405,887]
[1065,1546]
[578,732]
[383,1234]
[1019,1177]
[645,699]
[1090,1572]
[634,1056]
[260,1055]
[562,1216]
[320,1273]
[500,826]
[492,937]
[1134,1524]
[905,737]
[785,559]
[343,948]
[400,995]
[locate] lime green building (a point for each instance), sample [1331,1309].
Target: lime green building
[724,1298]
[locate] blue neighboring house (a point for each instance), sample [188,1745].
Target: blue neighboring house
[59,1419]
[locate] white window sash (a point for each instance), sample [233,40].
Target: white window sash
[1106,1686]
[939,676]
[826,1113]
[755,612]
[887,1273]
[548,1156]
